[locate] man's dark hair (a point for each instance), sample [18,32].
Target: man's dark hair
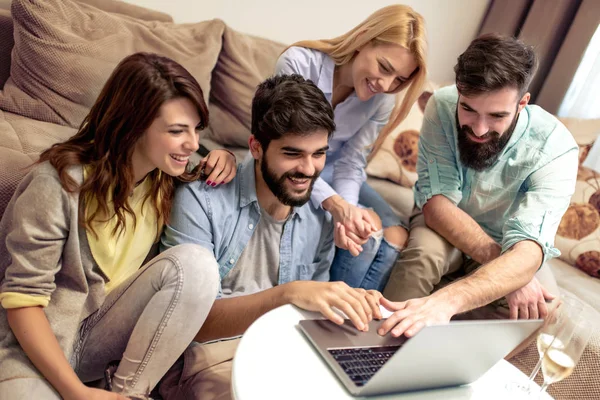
[492,62]
[289,104]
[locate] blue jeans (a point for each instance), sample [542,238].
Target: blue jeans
[372,267]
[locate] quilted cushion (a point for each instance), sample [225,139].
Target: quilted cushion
[64,52]
[244,62]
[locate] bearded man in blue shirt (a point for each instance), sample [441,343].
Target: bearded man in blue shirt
[273,246]
[495,178]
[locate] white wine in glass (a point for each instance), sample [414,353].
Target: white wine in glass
[569,308]
[558,362]
[556,365]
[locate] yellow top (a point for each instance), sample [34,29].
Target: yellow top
[118,256]
[121,255]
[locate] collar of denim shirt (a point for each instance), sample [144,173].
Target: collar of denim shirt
[248,196]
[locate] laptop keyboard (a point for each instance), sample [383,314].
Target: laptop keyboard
[361,363]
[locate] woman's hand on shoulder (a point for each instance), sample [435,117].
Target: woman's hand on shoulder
[219,167]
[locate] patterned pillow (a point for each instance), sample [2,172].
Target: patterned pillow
[578,236]
[396,160]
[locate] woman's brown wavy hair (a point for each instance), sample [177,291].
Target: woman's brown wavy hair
[128,104]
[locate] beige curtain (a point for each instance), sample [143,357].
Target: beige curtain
[560,30]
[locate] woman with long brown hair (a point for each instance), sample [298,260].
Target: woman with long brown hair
[75,296]
[361,72]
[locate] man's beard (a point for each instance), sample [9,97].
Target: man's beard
[277,185]
[480,156]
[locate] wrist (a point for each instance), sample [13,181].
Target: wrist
[288,292]
[451,299]
[230,152]
[333,203]
[75,391]
[492,252]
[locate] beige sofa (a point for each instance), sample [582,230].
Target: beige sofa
[58,67]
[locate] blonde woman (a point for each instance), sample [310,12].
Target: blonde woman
[361,72]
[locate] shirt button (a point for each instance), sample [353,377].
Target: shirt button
[250,226]
[431,161]
[231,261]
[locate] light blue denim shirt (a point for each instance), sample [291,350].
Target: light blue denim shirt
[223,219]
[523,195]
[357,125]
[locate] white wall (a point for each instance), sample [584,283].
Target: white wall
[451,24]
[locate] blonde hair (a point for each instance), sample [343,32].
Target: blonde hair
[396,24]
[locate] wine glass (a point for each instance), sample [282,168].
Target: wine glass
[569,308]
[563,353]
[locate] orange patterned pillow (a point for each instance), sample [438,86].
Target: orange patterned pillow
[578,236]
[396,160]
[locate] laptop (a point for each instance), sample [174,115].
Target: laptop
[438,356]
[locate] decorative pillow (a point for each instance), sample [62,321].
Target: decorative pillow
[64,52]
[244,63]
[578,236]
[396,159]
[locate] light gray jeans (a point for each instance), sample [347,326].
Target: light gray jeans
[146,323]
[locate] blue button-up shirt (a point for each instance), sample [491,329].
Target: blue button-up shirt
[223,219]
[357,125]
[523,195]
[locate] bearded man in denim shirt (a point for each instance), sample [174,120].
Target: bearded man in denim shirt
[272,245]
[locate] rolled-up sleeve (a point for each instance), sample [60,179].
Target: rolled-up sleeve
[549,190]
[190,219]
[437,167]
[35,243]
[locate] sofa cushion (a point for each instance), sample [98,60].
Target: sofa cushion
[14,165]
[400,198]
[64,52]
[244,62]
[578,236]
[33,136]
[131,10]
[6,26]
[396,159]
[577,282]
[6,44]
[22,140]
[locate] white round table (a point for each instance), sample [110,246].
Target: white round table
[275,361]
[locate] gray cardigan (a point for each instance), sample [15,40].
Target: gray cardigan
[44,251]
